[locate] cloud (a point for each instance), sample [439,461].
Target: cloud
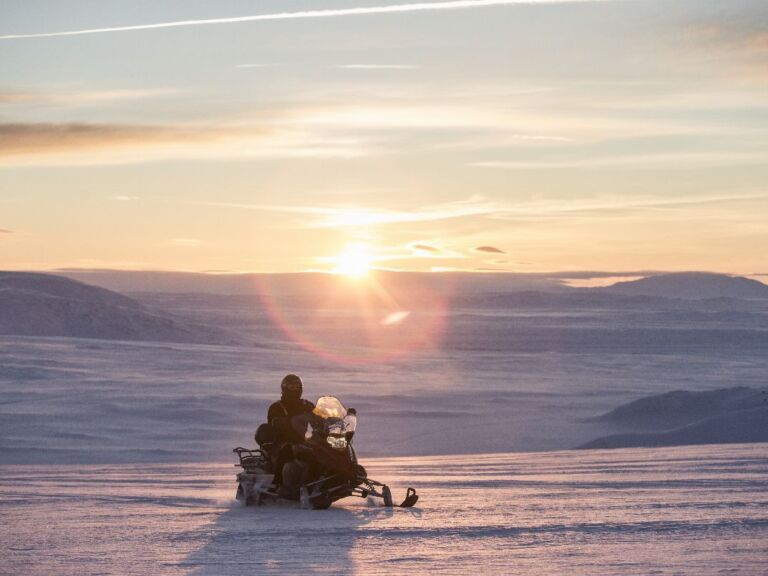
[304,14]
[127,198]
[91,144]
[748,39]
[735,47]
[257,65]
[24,138]
[424,248]
[489,250]
[618,206]
[378,67]
[66,95]
[460,121]
[356,217]
[3,231]
[671,159]
[16,96]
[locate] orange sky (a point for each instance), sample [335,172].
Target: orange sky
[517,137]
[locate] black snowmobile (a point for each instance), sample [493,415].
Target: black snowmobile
[319,470]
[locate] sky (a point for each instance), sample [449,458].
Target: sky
[281,136]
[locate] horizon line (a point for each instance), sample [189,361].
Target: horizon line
[554,274]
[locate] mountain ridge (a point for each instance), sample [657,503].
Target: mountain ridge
[692,285]
[34,304]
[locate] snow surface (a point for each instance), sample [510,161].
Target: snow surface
[92,401]
[113,455]
[695,510]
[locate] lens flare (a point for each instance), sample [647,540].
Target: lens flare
[395,317]
[380,317]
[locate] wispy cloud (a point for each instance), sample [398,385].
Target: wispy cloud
[669,159]
[16,96]
[257,65]
[378,66]
[620,207]
[736,48]
[489,250]
[488,122]
[46,141]
[4,231]
[423,248]
[92,144]
[354,217]
[69,95]
[421,251]
[303,14]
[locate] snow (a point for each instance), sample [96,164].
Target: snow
[697,285]
[694,510]
[45,305]
[733,415]
[92,401]
[115,456]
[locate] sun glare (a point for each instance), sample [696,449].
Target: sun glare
[355,261]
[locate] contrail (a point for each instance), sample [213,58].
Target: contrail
[304,14]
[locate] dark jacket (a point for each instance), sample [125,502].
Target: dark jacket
[280,414]
[283,409]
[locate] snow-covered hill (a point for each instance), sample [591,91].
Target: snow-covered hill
[749,425]
[47,305]
[695,511]
[692,285]
[682,417]
[682,407]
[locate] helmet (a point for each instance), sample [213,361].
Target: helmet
[291,386]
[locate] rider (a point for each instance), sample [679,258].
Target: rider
[290,404]
[279,418]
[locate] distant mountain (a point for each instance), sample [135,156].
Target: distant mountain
[682,407]
[727,415]
[737,427]
[470,289]
[45,305]
[307,284]
[691,285]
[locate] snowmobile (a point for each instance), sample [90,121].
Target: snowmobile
[321,469]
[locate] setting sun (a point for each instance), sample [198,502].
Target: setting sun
[354,261]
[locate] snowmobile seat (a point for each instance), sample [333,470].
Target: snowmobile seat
[266,437]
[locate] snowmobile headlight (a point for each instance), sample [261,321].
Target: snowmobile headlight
[337,442]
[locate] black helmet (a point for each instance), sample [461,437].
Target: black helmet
[291,387]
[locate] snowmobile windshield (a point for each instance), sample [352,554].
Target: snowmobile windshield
[330,407]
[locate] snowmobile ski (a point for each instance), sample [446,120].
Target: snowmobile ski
[410,499]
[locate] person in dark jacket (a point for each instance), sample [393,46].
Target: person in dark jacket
[279,418]
[290,404]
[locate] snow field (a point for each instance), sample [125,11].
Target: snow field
[687,510]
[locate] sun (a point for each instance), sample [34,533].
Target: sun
[355,261]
